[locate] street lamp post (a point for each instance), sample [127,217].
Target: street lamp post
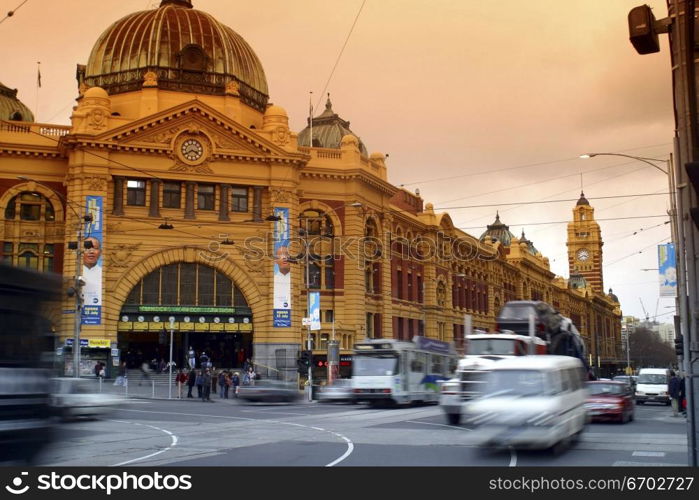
[78,283]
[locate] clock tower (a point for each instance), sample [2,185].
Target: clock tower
[585,245]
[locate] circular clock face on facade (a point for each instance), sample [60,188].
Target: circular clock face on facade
[583,254]
[192,150]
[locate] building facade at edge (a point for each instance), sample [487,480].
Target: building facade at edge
[204,201]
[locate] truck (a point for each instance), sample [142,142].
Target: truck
[553,334]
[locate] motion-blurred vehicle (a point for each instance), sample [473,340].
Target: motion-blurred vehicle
[27,299]
[340,391]
[611,400]
[627,379]
[530,402]
[78,397]
[269,391]
[652,386]
[397,372]
[482,351]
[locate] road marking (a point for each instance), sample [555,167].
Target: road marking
[350,445]
[172,444]
[440,425]
[648,454]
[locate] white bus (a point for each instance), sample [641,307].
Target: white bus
[388,371]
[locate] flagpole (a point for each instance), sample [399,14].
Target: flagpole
[310,118]
[38,86]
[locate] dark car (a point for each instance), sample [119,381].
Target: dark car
[610,400]
[269,391]
[627,379]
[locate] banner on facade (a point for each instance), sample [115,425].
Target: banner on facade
[282,269]
[92,262]
[667,268]
[314,310]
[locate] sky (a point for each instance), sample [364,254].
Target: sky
[475,102]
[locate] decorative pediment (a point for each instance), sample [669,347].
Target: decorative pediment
[163,131]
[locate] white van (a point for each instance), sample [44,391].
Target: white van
[652,385]
[531,402]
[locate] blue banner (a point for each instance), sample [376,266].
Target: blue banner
[667,268]
[314,310]
[282,270]
[92,262]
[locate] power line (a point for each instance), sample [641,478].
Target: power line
[636,253]
[337,61]
[549,201]
[568,221]
[12,12]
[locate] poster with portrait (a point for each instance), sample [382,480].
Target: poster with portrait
[667,268]
[282,270]
[314,310]
[92,262]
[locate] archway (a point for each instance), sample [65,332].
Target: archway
[205,309]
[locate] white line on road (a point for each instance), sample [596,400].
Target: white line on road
[172,444]
[350,445]
[648,454]
[440,425]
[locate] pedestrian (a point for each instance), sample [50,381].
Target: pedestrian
[673,390]
[252,375]
[235,383]
[192,358]
[227,383]
[103,372]
[683,397]
[203,361]
[97,368]
[191,379]
[221,383]
[121,375]
[181,380]
[206,386]
[144,373]
[199,381]
[214,381]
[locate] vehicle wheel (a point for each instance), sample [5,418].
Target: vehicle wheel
[453,418]
[560,446]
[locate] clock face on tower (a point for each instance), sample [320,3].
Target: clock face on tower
[583,254]
[192,150]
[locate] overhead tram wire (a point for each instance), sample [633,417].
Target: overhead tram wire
[567,221]
[12,12]
[339,56]
[522,203]
[637,252]
[515,167]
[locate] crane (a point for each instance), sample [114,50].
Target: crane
[644,309]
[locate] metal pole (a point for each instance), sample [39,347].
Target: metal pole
[78,299]
[531,335]
[169,390]
[308,311]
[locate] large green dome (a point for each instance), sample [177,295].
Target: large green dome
[12,108]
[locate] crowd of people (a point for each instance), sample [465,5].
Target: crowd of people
[208,381]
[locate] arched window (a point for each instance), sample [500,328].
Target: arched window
[316,228]
[30,206]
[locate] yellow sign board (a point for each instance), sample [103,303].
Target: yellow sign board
[186,327]
[232,327]
[245,327]
[155,327]
[140,326]
[124,326]
[216,327]
[103,343]
[201,327]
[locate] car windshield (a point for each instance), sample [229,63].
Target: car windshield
[602,389]
[652,378]
[381,364]
[520,383]
[505,347]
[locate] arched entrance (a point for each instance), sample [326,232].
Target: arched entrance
[207,310]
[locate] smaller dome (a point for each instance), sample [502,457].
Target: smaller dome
[96,92]
[329,131]
[577,280]
[349,139]
[530,246]
[12,108]
[274,110]
[498,232]
[613,297]
[583,200]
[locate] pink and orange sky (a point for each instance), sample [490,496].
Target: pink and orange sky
[476,102]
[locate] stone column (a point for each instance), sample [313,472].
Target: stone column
[257,204]
[118,195]
[154,207]
[223,205]
[189,200]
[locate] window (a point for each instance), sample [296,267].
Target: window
[172,194]
[48,257]
[169,285]
[239,199]
[7,252]
[205,197]
[329,316]
[136,193]
[31,207]
[28,255]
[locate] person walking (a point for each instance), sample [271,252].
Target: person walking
[674,392]
[221,383]
[121,375]
[252,375]
[144,373]
[192,358]
[206,386]
[227,383]
[181,380]
[214,381]
[235,383]
[191,379]
[199,381]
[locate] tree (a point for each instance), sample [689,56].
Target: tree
[646,349]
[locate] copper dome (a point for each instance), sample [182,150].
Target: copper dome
[188,50]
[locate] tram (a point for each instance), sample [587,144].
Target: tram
[388,371]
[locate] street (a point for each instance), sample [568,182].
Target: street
[229,433]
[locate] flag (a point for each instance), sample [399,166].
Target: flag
[38,76]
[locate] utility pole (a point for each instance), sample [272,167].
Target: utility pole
[680,26]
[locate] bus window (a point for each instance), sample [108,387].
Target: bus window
[416,364]
[384,364]
[437,366]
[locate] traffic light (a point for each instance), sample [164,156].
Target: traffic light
[679,345]
[304,362]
